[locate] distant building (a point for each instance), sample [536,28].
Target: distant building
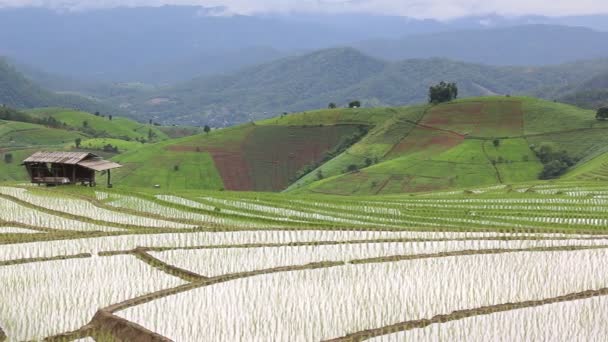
[59,168]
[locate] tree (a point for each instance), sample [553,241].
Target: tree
[207,129]
[354,104]
[110,117]
[496,142]
[85,124]
[602,114]
[352,168]
[443,92]
[332,106]
[320,175]
[77,142]
[8,158]
[97,114]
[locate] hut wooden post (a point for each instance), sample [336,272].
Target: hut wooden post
[109,178]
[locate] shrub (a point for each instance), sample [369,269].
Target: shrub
[602,114]
[8,158]
[352,168]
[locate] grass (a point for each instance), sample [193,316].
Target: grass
[407,149]
[431,156]
[152,165]
[118,127]
[20,134]
[100,143]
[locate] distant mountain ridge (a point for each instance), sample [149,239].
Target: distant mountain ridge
[174,43]
[518,45]
[18,91]
[340,75]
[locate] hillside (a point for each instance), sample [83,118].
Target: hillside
[591,94]
[265,156]
[519,45]
[174,42]
[19,92]
[470,142]
[56,129]
[341,75]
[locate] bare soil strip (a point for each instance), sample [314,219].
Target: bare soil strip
[33,260]
[493,163]
[462,314]
[27,226]
[169,269]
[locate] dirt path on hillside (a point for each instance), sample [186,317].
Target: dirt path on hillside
[493,163]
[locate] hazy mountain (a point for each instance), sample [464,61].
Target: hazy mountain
[175,43]
[341,75]
[20,92]
[519,45]
[591,94]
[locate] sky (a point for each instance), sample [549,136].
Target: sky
[436,9]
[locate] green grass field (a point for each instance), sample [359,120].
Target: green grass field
[118,127]
[467,142]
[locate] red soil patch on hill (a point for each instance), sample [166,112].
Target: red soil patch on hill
[426,139]
[497,118]
[270,156]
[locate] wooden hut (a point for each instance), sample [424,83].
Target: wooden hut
[58,168]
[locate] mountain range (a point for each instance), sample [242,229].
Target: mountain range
[341,75]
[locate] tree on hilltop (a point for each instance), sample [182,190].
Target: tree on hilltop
[443,92]
[354,104]
[602,114]
[332,106]
[207,129]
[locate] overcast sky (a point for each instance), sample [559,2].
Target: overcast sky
[439,9]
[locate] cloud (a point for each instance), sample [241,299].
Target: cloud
[439,9]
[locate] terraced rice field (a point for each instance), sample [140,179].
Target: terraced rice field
[523,262]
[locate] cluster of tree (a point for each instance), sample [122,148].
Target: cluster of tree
[602,114]
[111,149]
[110,117]
[342,146]
[366,163]
[443,92]
[10,114]
[352,104]
[556,163]
[8,158]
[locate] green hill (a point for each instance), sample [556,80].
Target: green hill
[266,156]
[591,94]
[17,91]
[101,125]
[341,75]
[23,133]
[368,151]
[471,142]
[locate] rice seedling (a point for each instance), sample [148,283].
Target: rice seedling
[312,305]
[580,320]
[59,296]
